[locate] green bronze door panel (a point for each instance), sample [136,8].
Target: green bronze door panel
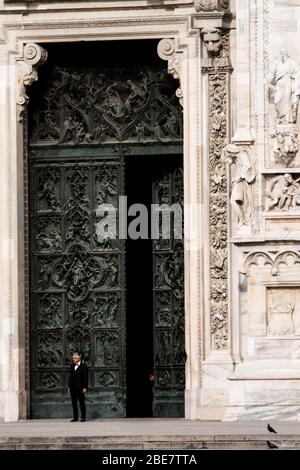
[77,286]
[168,300]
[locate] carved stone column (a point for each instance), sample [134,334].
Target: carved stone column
[216,65]
[33,56]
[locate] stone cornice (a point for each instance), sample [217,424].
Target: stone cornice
[13,6]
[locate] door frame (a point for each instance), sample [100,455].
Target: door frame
[188,52]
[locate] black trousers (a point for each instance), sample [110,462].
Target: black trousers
[77,395]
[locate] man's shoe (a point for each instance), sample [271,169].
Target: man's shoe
[82,420]
[73,420]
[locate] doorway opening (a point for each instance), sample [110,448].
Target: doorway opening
[153,321]
[120,303]
[139,302]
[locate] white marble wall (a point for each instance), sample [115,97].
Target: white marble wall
[257,376]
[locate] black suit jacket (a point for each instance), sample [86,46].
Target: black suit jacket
[78,379]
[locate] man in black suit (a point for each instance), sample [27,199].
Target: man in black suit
[78,384]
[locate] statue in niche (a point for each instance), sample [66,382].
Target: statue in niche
[284,192]
[285,81]
[241,194]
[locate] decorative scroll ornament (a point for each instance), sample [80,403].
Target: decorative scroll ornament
[211,5]
[166,51]
[33,56]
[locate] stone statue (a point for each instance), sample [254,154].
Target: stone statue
[241,194]
[283,192]
[285,80]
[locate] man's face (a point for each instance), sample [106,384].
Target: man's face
[76,358]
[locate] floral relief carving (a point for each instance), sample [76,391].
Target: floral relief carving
[218,68]
[211,5]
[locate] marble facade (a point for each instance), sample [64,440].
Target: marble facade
[241,173]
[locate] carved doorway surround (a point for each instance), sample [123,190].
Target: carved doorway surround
[199,58]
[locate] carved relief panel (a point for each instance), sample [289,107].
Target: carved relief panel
[273,304]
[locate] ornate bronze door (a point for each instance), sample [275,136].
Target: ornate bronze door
[84,121]
[76,283]
[168,299]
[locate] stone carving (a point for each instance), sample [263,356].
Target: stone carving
[284,193]
[273,260]
[285,143]
[33,56]
[281,319]
[285,81]
[241,193]
[212,39]
[218,76]
[166,51]
[90,107]
[211,5]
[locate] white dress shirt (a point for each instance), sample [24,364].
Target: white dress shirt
[77,365]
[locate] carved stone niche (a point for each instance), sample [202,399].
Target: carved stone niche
[211,5]
[273,301]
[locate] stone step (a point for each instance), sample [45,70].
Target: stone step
[210,442]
